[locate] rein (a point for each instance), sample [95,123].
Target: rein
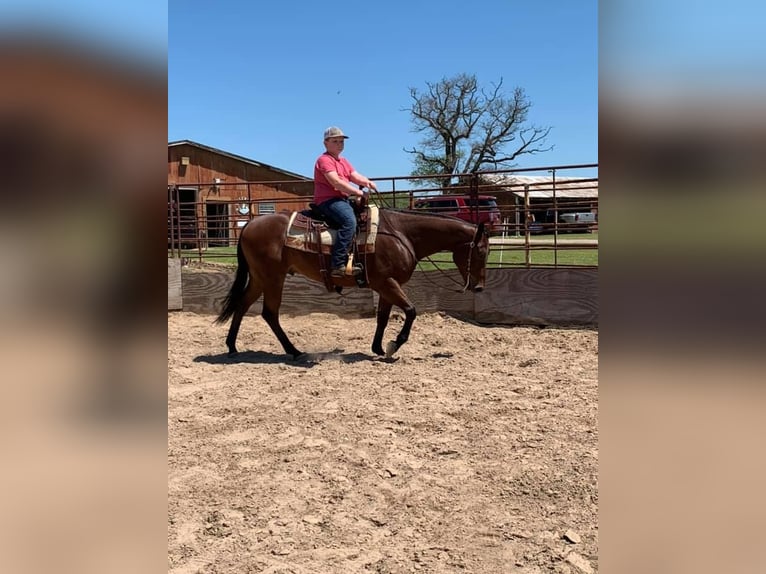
[471,244]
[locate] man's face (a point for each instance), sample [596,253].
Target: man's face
[335,145]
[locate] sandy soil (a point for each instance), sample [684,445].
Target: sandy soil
[475,451]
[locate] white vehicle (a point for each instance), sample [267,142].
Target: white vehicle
[580,221]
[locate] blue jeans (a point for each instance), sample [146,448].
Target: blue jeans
[339,215]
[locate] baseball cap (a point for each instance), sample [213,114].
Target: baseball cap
[334,132]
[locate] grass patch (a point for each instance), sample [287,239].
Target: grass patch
[499,256]
[210,255]
[517,258]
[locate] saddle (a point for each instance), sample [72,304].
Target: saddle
[308,231]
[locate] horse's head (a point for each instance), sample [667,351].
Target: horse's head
[471,259]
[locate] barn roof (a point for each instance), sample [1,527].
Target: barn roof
[238,158]
[541,186]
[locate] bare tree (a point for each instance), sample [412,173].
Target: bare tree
[468,129]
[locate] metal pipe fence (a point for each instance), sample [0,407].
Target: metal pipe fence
[548,220]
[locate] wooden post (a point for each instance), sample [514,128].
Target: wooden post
[175,293]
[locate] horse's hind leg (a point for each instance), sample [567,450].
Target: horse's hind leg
[272,300]
[253,292]
[384,312]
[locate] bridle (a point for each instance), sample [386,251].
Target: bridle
[471,244]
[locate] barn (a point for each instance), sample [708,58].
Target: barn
[212,193]
[546,197]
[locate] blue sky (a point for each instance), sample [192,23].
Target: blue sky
[264,79]
[137,28]
[685,40]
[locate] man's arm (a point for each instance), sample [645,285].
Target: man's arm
[343,186]
[362,180]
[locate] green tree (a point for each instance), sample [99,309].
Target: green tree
[468,128]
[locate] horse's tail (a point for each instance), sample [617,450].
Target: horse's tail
[234,298]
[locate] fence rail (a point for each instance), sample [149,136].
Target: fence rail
[545,220]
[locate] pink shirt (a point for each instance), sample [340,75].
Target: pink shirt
[322,188]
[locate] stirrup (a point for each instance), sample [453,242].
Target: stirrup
[354,271]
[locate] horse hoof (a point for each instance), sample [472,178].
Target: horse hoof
[390,349]
[232,354]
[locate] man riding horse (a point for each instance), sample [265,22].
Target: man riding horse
[334,177]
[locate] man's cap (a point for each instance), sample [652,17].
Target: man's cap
[334,132]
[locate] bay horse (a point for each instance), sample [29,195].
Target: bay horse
[403,238]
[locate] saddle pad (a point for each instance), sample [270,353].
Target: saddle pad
[302,233]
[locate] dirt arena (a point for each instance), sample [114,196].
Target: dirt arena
[475,451]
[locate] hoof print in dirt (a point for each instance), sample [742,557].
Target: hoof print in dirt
[216,526]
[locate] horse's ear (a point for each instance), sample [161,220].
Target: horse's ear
[481,230]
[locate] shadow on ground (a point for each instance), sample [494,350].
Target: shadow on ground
[307,360]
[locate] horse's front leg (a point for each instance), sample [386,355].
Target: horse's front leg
[384,312]
[395,296]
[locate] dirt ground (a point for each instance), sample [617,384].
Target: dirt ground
[474,451]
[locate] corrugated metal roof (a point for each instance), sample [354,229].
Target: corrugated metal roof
[541,186]
[238,158]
